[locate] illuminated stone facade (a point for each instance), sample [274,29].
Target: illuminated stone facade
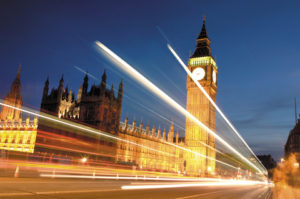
[150,150]
[98,107]
[13,98]
[16,134]
[204,69]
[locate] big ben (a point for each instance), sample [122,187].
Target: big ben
[204,69]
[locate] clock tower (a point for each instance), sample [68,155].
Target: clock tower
[204,68]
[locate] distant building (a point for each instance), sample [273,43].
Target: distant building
[267,161]
[292,145]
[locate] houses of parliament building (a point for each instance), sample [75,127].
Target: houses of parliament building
[99,108]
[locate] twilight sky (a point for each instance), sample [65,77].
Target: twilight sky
[256,45]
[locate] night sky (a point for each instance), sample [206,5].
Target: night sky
[255,43]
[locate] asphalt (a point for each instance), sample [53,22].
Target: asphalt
[48,188]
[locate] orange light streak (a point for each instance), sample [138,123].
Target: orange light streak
[90,130]
[73,150]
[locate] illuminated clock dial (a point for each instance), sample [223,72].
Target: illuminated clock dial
[198,73]
[214,76]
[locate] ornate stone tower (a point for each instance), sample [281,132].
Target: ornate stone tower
[13,98]
[204,68]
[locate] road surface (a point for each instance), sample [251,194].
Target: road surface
[47,188]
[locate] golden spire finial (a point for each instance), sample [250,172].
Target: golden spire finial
[204,18]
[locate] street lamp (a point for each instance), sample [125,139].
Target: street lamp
[83,160]
[209,169]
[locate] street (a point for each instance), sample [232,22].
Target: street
[21,188]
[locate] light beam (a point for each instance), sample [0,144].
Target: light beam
[149,85]
[211,100]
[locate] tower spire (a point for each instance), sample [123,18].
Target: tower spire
[203,33]
[203,43]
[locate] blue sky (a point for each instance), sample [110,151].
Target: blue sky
[256,45]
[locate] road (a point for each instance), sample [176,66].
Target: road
[47,188]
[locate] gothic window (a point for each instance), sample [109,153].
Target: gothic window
[113,118]
[104,114]
[91,113]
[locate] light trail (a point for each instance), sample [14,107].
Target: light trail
[135,102]
[211,100]
[110,136]
[80,127]
[227,183]
[73,150]
[89,74]
[149,109]
[149,85]
[53,136]
[140,178]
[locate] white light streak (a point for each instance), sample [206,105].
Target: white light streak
[102,133]
[132,178]
[227,183]
[149,85]
[159,115]
[211,101]
[85,72]
[197,182]
[79,127]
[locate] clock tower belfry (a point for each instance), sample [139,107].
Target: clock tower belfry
[204,68]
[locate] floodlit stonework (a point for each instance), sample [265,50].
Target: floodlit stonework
[204,69]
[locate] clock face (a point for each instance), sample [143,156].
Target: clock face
[198,73]
[214,76]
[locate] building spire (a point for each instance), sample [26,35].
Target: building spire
[13,98]
[295,110]
[61,81]
[104,76]
[19,71]
[203,43]
[203,33]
